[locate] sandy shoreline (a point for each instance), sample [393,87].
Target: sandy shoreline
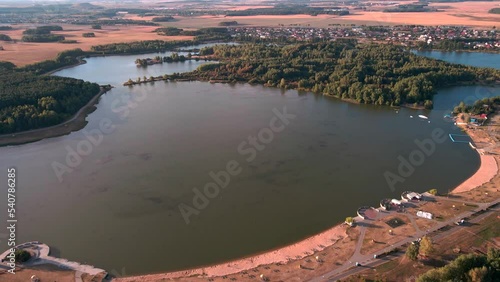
[487,170]
[298,250]
[75,123]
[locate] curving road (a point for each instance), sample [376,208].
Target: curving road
[368,261]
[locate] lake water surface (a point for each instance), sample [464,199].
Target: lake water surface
[118,208]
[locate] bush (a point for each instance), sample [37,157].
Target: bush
[5,37]
[88,34]
[36,31]
[426,246]
[22,256]
[428,104]
[50,27]
[228,23]
[42,38]
[433,192]
[412,251]
[168,31]
[162,19]
[349,220]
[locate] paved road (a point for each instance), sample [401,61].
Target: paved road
[369,261]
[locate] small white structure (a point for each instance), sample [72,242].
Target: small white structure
[396,202]
[423,214]
[411,196]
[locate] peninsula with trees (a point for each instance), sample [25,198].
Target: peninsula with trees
[363,73]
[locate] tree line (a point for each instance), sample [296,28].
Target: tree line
[29,100]
[162,19]
[484,106]
[113,22]
[202,34]
[282,9]
[42,34]
[5,37]
[366,73]
[470,267]
[139,47]
[494,11]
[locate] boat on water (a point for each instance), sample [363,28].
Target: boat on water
[422,116]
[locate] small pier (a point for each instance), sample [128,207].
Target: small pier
[40,254]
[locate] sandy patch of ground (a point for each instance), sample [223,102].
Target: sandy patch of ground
[468,7]
[482,20]
[44,272]
[443,209]
[425,224]
[377,236]
[485,193]
[22,53]
[299,270]
[429,19]
[485,173]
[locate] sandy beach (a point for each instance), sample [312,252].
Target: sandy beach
[283,255]
[487,170]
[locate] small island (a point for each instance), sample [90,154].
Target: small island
[175,57]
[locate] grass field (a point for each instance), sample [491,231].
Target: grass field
[464,13]
[22,53]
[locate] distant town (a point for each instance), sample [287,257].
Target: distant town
[423,37]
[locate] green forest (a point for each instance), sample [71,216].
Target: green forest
[5,37]
[43,34]
[471,267]
[202,34]
[139,47]
[365,73]
[484,106]
[29,100]
[494,11]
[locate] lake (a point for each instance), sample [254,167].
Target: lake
[117,205]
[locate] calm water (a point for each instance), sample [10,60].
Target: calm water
[118,208]
[489,60]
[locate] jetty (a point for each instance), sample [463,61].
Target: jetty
[40,254]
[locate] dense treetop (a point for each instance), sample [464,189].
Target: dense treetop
[29,100]
[366,73]
[494,11]
[469,267]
